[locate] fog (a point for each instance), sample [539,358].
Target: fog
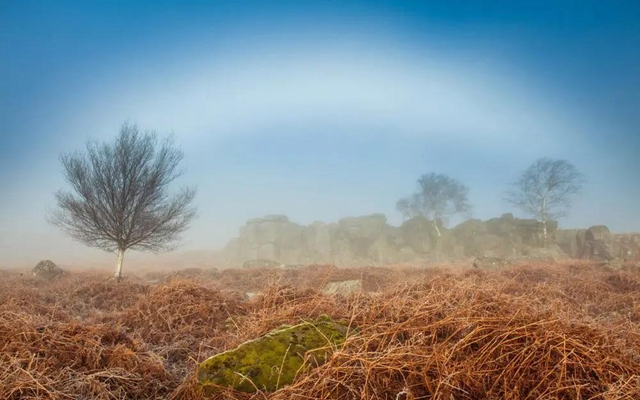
[316,120]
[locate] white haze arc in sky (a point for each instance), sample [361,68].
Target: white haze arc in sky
[317,131]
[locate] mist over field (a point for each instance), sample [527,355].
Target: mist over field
[371,199]
[318,110]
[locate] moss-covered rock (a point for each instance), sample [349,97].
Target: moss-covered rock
[273,360]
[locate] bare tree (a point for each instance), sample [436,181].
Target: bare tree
[408,206]
[544,190]
[437,198]
[119,198]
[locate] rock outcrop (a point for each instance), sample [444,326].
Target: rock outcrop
[370,240]
[627,246]
[273,237]
[599,244]
[47,270]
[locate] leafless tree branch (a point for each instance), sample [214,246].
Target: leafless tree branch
[119,196]
[437,198]
[545,189]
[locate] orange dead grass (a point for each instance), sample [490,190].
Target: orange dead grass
[535,331]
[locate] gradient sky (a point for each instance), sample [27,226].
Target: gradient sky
[320,109]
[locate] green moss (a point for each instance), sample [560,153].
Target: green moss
[272,361]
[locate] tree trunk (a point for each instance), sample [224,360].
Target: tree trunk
[436,248]
[435,225]
[543,213]
[119,265]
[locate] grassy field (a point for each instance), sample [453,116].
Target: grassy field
[536,331]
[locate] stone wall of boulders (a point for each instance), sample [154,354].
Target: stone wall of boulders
[370,240]
[598,243]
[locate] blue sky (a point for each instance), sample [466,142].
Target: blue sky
[321,109]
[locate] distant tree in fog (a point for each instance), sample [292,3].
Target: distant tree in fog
[119,199]
[437,198]
[545,190]
[408,206]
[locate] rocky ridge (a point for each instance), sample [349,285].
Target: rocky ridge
[370,240]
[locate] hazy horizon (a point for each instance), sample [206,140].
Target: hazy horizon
[319,110]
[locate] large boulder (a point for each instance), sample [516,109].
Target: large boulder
[266,230]
[272,237]
[567,240]
[503,225]
[490,245]
[273,360]
[341,251]
[526,232]
[47,270]
[361,232]
[581,238]
[382,252]
[627,246]
[550,253]
[343,287]
[598,244]
[368,227]
[420,234]
[387,248]
[506,236]
[466,236]
[318,239]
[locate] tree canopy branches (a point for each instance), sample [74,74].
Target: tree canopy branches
[545,190]
[437,198]
[119,196]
